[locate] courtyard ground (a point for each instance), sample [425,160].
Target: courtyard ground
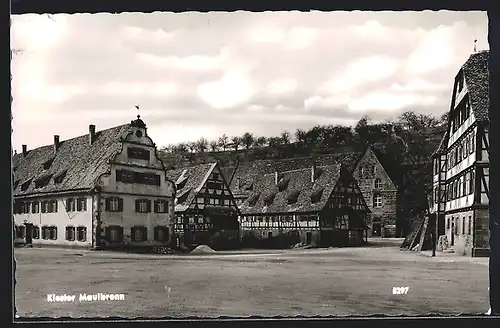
[340,282]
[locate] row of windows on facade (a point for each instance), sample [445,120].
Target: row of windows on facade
[457,188]
[50,232]
[461,115]
[193,220]
[460,151]
[365,169]
[112,204]
[49,206]
[213,201]
[127,176]
[115,204]
[341,222]
[115,234]
[466,225]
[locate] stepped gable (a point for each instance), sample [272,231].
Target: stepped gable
[189,181]
[295,191]
[75,165]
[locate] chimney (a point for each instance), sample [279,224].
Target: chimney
[56,142]
[276,177]
[25,150]
[91,133]
[313,172]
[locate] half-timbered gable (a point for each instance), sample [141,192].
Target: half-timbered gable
[322,204]
[467,162]
[67,194]
[204,203]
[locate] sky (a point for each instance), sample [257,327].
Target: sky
[206,74]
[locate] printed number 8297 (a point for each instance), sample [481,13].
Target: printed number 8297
[400,290]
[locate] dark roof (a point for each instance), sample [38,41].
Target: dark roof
[77,162]
[267,197]
[189,181]
[443,144]
[246,173]
[477,80]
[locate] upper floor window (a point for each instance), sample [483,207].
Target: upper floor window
[460,84]
[377,201]
[143,205]
[114,204]
[70,205]
[378,184]
[161,206]
[373,169]
[81,204]
[138,153]
[138,177]
[361,171]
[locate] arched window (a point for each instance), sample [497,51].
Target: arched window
[378,184]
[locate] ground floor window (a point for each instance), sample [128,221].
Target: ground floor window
[36,232]
[21,232]
[70,233]
[53,232]
[81,233]
[161,233]
[45,233]
[114,234]
[139,234]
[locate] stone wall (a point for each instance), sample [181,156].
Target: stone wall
[482,233]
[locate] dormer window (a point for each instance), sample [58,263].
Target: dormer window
[16,183]
[252,200]
[293,197]
[283,184]
[460,83]
[316,196]
[181,183]
[249,186]
[43,181]
[60,177]
[25,185]
[48,164]
[181,198]
[269,199]
[378,184]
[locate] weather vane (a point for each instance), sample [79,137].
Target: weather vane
[475,40]
[137,106]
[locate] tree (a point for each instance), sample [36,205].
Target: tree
[300,136]
[223,142]
[214,146]
[247,140]
[181,148]
[274,142]
[202,145]
[285,138]
[236,142]
[261,141]
[314,137]
[191,146]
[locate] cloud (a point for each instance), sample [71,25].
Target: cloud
[196,74]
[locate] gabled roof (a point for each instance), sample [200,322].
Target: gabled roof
[443,144]
[83,162]
[195,177]
[246,173]
[267,198]
[477,81]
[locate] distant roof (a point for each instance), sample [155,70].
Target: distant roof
[246,173]
[477,80]
[442,145]
[189,181]
[267,197]
[75,165]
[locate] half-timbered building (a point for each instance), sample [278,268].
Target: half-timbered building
[103,189]
[463,165]
[204,204]
[322,205]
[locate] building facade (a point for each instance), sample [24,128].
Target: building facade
[321,206]
[379,192]
[204,204]
[101,190]
[462,199]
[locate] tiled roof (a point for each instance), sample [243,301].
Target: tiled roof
[246,173]
[267,197]
[477,80]
[189,181]
[442,145]
[228,172]
[295,196]
[76,162]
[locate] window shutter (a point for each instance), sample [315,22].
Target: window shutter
[157,180]
[78,205]
[144,234]
[167,203]
[120,204]
[43,206]
[148,205]
[108,233]
[107,204]
[137,201]
[55,205]
[67,205]
[155,203]
[137,177]
[119,175]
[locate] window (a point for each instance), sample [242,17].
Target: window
[143,205]
[81,233]
[53,232]
[36,232]
[471,146]
[191,220]
[35,207]
[378,184]
[114,204]
[70,205]
[361,171]
[60,177]
[48,164]
[472,182]
[470,225]
[227,202]
[45,232]
[52,206]
[138,153]
[448,223]
[377,201]
[373,169]
[161,206]
[114,234]
[161,233]
[215,176]
[25,185]
[45,206]
[200,219]
[81,204]
[463,225]
[436,166]
[139,234]
[70,233]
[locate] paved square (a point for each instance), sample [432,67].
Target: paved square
[347,281]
